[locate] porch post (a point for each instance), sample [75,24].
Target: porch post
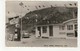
[36,32]
[48,31]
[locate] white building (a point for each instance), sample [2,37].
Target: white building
[67,29]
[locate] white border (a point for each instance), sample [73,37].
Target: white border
[2,33]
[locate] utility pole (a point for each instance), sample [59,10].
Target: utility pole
[21,4]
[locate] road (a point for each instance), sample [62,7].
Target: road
[43,42]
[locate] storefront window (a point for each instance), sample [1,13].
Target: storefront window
[69,27]
[75,26]
[44,28]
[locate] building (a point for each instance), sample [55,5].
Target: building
[61,30]
[14,28]
[59,25]
[14,20]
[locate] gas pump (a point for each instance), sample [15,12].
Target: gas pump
[17,34]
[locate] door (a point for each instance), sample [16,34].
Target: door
[75,30]
[39,29]
[75,33]
[50,30]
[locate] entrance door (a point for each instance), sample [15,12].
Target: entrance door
[75,33]
[39,29]
[75,30]
[50,30]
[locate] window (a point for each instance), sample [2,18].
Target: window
[61,27]
[70,34]
[75,26]
[44,28]
[69,27]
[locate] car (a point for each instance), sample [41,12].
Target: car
[26,35]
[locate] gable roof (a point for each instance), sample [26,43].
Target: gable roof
[69,21]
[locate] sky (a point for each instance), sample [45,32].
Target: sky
[13,8]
